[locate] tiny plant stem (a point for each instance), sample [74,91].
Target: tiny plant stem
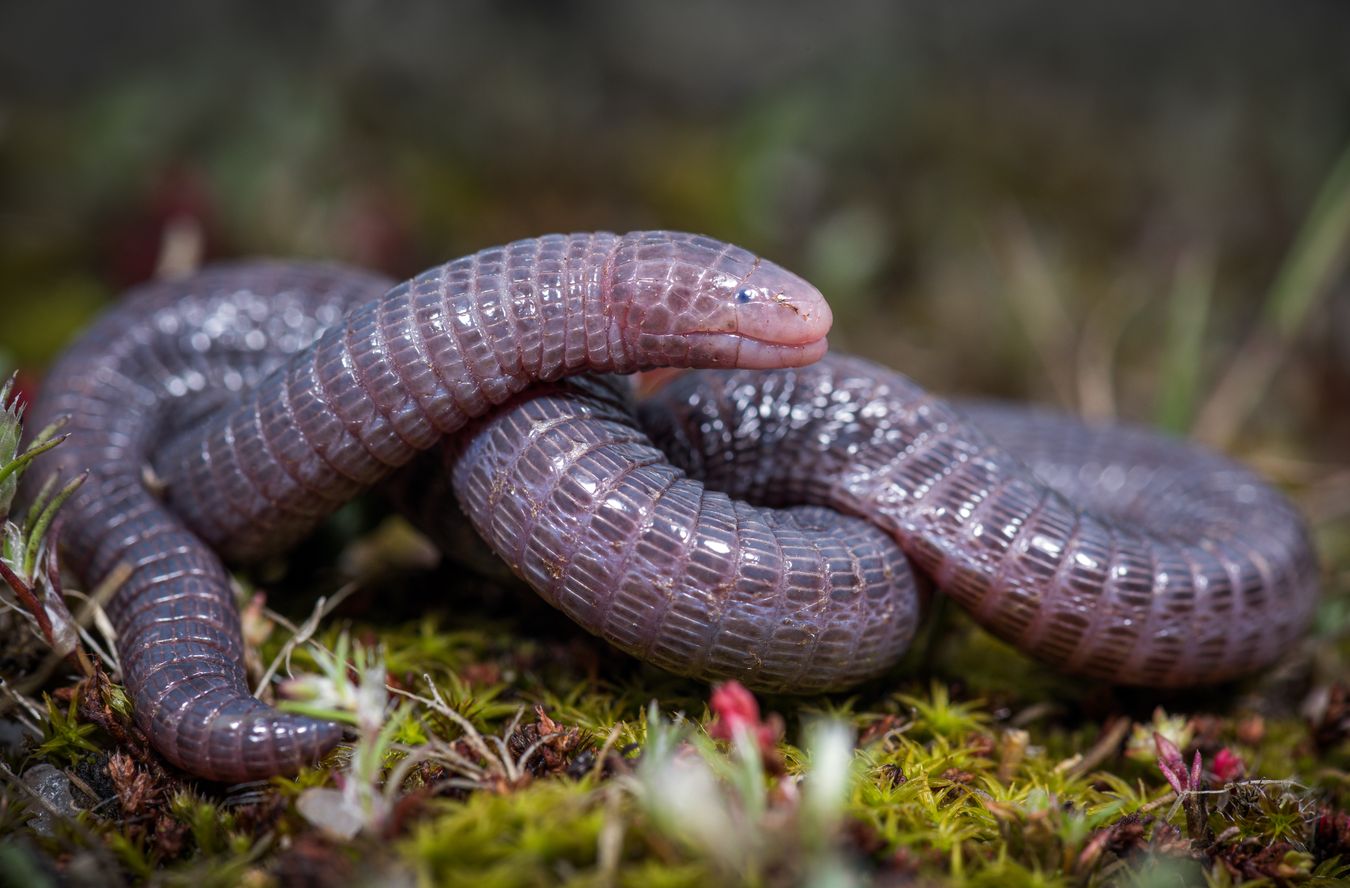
[39,501]
[92,614]
[77,656]
[323,713]
[302,634]
[1095,353]
[29,601]
[36,449]
[1038,304]
[1318,252]
[749,775]
[39,529]
[19,553]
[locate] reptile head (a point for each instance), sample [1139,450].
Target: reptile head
[684,300]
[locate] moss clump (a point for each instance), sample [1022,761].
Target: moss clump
[954,778]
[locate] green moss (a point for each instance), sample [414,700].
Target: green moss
[975,774]
[526,837]
[943,788]
[65,739]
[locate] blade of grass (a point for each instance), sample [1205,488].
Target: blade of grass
[1036,300]
[1188,309]
[1099,342]
[38,530]
[35,450]
[1318,253]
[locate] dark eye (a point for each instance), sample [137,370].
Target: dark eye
[745,295]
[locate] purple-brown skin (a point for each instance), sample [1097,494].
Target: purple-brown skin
[1122,555]
[259,429]
[569,491]
[149,366]
[1182,569]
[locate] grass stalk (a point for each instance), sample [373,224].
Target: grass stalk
[1317,256]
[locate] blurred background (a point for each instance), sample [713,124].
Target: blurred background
[1130,209]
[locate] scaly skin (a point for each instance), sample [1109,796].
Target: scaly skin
[567,489]
[154,363]
[1123,555]
[1181,569]
[260,429]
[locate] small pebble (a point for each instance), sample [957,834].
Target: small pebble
[53,786]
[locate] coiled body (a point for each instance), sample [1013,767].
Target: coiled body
[157,363]
[265,396]
[1122,554]
[567,488]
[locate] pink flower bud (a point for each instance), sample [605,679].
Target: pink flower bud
[1228,765]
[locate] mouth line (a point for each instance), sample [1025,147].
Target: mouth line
[768,354]
[775,343]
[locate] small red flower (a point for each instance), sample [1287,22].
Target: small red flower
[1228,765]
[736,710]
